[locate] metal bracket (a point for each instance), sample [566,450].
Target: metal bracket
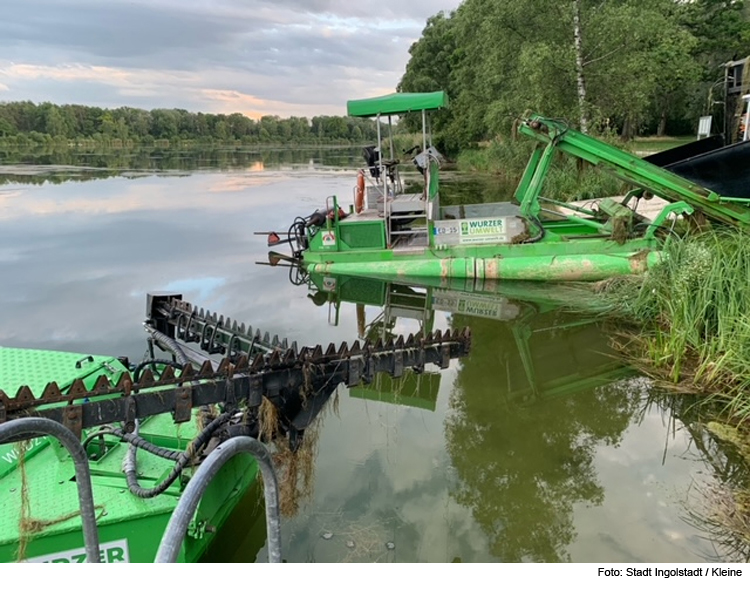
[673,208]
[73,419]
[183,404]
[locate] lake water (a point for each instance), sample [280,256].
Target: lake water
[539,446]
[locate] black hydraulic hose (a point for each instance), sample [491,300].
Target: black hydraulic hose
[191,496]
[136,440]
[141,443]
[153,362]
[542,231]
[131,473]
[171,345]
[28,427]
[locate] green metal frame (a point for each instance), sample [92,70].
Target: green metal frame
[557,135]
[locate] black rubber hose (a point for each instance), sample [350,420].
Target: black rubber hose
[131,474]
[542,231]
[138,368]
[170,344]
[138,441]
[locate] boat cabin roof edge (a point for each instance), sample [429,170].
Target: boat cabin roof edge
[397,103]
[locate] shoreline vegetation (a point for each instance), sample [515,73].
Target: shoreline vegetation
[24,125]
[685,326]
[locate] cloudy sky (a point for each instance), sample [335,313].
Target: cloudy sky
[283,57]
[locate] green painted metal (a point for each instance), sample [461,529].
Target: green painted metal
[580,246]
[35,368]
[397,103]
[676,209]
[576,267]
[130,528]
[559,136]
[530,200]
[434,180]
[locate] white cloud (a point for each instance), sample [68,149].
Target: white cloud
[286,57]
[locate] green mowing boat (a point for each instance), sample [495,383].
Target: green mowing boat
[41,516]
[177,412]
[391,232]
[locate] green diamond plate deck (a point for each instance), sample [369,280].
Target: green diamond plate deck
[35,368]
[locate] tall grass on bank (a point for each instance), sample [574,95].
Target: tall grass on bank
[690,314]
[687,326]
[567,180]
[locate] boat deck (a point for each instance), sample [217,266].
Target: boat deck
[479,210]
[368,215]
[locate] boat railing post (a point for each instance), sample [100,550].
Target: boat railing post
[30,427]
[178,523]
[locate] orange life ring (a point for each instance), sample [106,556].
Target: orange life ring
[359,195]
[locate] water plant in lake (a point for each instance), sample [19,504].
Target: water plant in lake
[720,506]
[693,332]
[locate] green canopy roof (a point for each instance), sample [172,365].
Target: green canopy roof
[397,103]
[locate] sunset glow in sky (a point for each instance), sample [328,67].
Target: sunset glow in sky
[257,57]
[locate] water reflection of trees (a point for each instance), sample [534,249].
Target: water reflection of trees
[529,408]
[102,164]
[719,508]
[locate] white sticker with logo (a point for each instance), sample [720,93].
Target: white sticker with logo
[116,551]
[329,239]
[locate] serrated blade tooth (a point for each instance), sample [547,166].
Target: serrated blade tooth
[101,385]
[206,369]
[258,363]
[25,396]
[147,379]
[125,384]
[52,393]
[78,387]
[167,374]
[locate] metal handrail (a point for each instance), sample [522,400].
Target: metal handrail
[186,507]
[29,427]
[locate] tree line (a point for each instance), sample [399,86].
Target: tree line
[23,123]
[624,66]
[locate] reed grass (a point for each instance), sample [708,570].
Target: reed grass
[567,180]
[688,318]
[687,327]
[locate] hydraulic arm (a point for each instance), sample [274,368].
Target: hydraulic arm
[557,135]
